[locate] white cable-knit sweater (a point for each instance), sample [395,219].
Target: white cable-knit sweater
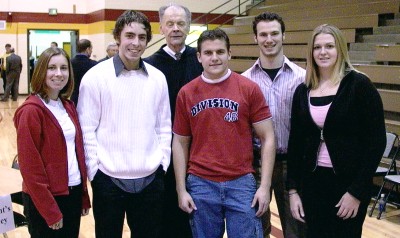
[126,121]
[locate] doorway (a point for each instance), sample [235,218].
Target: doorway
[39,40]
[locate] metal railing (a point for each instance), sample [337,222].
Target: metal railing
[240,13]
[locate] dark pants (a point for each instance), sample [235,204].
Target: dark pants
[12,86]
[3,76]
[71,208]
[291,228]
[143,210]
[322,191]
[175,222]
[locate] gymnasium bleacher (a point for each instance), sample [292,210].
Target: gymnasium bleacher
[371,27]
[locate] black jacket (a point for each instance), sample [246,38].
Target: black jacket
[80,65]
[354,133]
[177,72]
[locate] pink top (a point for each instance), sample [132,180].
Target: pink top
[318,114]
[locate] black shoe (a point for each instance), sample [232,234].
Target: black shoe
[3,99]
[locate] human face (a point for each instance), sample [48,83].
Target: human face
[57,75]
[132,43]
[174,27]
[112,50]
[214,57]
[269,38]
[8,49]
[325,52]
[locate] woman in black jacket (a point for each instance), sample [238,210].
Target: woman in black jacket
[336,141]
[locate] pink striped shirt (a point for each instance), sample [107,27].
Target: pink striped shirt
[278,94]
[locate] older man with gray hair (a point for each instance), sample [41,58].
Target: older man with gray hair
[179,64]
[112,49]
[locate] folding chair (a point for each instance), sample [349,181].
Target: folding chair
[390,173]
[387,158]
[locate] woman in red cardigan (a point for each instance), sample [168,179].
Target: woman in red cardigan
[50,151]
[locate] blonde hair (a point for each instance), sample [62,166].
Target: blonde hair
[342,63]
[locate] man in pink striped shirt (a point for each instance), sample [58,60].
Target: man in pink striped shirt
[278,78]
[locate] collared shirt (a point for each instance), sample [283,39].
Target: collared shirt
[119,65]
[171,52]
[279,94]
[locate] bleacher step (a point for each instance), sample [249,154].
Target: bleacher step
[383,38]
[362,46]
[392,22]
[395,29]
[365,56]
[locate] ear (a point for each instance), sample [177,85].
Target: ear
[283,37]
[229,54]
[255,39]
[198,57]
[161,31]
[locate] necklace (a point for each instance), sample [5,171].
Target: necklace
[327,85]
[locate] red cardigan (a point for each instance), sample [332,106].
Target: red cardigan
[42,155]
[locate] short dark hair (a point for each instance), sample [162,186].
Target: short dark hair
[8,45]
[54,43]
[38,83]
[127,18]
[268,16]
[82,45]
[216,34]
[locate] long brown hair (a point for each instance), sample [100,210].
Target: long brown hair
[38,83]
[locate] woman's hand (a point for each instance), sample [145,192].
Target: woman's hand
[85,211]
[57,225]
[348,206]
[296,206]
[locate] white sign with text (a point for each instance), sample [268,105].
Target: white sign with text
[6,214]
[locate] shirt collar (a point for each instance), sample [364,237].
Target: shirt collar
[119,65]
[171,52]
[215,81]
[286,63]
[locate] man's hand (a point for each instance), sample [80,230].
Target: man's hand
[186,202]
[261,197]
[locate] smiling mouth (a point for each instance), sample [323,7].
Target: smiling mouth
[134,51]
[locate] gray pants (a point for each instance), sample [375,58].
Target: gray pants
[12,85]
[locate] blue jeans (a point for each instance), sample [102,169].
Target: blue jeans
[219,201]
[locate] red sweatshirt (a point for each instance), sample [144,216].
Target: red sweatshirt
[42,155]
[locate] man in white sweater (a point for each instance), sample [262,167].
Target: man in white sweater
[125,116]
